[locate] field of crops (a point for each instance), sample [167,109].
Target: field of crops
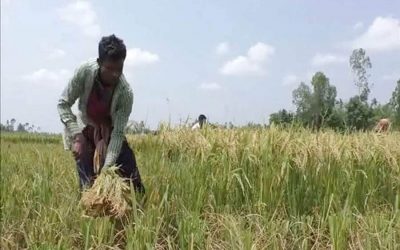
[214,189]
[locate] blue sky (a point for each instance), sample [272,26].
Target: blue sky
[231,60]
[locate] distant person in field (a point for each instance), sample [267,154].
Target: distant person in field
[200,122]
[383,125]
[105,103]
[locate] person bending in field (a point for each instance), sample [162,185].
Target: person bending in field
[200,122]
[105,103]
[383,125]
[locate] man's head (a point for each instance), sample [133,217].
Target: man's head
[202,119]
[383,125]
[112,54]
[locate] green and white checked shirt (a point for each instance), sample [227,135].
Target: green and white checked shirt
[79,87]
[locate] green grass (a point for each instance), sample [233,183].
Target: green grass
[214,189]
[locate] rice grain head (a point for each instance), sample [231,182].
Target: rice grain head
[109,195]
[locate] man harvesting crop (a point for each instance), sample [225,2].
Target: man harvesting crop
[200,122]
[105,103]
[383,125]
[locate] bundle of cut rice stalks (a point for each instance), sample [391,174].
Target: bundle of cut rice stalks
[109,195]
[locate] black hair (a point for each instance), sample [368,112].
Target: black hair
[202,117]
[111,47]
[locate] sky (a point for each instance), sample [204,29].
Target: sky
[235,61]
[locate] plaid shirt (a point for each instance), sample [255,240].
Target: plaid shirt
[79,87]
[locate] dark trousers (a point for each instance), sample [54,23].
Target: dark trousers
[126,162]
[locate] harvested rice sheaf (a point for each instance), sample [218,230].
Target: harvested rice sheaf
[109,195]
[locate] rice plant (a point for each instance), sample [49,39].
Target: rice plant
[213,189]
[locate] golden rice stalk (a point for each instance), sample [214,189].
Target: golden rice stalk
[109,195]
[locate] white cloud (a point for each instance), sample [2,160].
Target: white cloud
[210,86]
[260,52]
[391,77]
[241,66]
[325,59]
[138,57]
[382,35]
[290,80]
[46,77]
[252,63]
[358,25]
[56,54]
[222,48]
[81,14]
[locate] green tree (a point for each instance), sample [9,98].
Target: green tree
[323,101]
[359,115]
[3,127]
[337,120]
[302,99]
[314,107]
[21,128]
[381,110]
[12,124]
[360,63]
[395,103]
[282,117]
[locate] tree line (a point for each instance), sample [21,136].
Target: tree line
[12,126]
[317,105]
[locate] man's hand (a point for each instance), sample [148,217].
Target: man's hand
[78,144]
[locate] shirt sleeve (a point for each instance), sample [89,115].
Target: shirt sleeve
[121,118]
[68,97]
